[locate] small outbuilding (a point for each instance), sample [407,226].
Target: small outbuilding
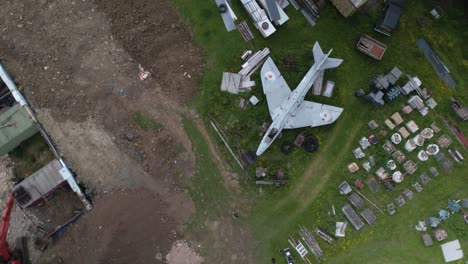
[390,17]
[16,126]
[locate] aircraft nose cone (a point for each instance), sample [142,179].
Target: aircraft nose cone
[259,152]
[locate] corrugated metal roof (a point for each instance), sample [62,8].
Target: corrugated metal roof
[356,200]
[42,182]
[369,216]
[352,216]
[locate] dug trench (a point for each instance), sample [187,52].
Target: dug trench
[77,63]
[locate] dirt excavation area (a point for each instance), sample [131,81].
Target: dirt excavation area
[77,63]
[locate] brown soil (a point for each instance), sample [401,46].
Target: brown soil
[71,59]
[68,59]
[124,230]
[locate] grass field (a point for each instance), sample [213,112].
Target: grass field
[312,188]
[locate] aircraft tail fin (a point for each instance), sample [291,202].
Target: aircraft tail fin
[329,62]
[317,52]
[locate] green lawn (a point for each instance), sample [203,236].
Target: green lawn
[30,156]
[314,177]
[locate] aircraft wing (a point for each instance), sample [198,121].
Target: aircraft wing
[311,114]
[275,87]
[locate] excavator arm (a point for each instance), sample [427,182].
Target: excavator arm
[5,252]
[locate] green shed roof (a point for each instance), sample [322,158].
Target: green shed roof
[16,125]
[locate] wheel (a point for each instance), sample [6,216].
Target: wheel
[222,8]
[311,144]
[287,147]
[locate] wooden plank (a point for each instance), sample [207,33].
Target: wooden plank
[247,84]
[254,62]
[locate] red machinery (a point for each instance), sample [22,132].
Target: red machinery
[6,254]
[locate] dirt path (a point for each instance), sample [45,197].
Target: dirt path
[311,173]
[307,197]
[76,61]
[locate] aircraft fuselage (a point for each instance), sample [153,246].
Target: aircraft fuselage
[289,106]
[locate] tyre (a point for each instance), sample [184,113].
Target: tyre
[287,147]
[311,144]
[222,8]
